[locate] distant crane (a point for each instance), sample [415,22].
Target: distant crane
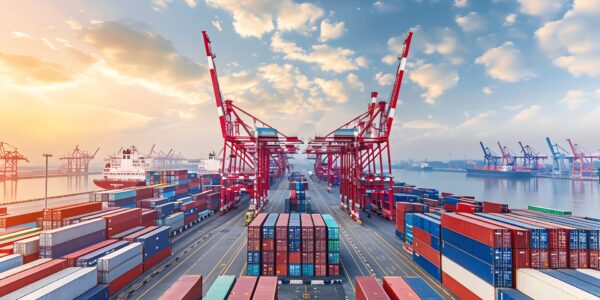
[509,157]
[561,160]
[531,157]
[490,158]
[10,157]
[583,161]
[78,161]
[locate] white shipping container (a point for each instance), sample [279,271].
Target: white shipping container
[24,267]
[62,235]
[27,246]
[10,261]
[68,287]
[175,221]
[469,280]
[111,261]
[591,272]
[538,285]
[28,289]
[108,277]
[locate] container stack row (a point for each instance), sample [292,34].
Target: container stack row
[224,287]
[293,245]
[393,288]
[298,201]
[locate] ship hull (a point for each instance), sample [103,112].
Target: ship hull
[113,184]
[498,173]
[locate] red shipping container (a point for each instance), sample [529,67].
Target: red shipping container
[449,207]
[31,257]
[142,193]
[367,288]
[493,236]
[268,244]
[268,257]
[75,210]
[19,219]
[268,269]
[467,207]
[321,258]
[319,227]
[154,260]
[3,210]
[294,257]
[333,270]
[427,252]
[131,238]
[266,288]
[320,270]
[19,280]
[281,269]
[243,288]
[115,229]
[72,257]
[457,289]
[187,287]
[117,284]
[254,228]
[521,238]
[281,257]
[149,217]
[397,289]
[492,207]
[521,258]
[191,218]
[253,245]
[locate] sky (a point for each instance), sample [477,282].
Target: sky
[117,73]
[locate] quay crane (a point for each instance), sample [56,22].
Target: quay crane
[561,159]
[78,160]
[249,147]
[583,161]
[362,149]
[490,158]
[531,157]
[10,157]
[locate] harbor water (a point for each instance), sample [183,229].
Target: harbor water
[580,197]
[25,189]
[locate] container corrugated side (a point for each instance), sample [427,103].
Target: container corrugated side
[187,287]
[266,288]
[511,294]
[24,267]
[108,277]
[91,259]
[538,285]
[243,288]
[367,288]
[477,285]
[593,273]
[220,289]
[27,246]
[584,282]
[10,261]
[111,261]
[99,292]
[30,288]
[397,289]
[67,233]
[422,288]
[68,287]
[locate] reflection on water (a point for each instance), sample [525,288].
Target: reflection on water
[581,197]
[24,189]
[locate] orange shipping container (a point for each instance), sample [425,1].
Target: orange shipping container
[75,210]
[14,220]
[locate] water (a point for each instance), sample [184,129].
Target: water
[580,197]
[25,189]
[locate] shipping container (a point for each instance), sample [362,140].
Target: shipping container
[68,287]
[10,261]
[266,288]
[19,280]
[422,288]
[397,289]
[511,294]
[72,257]
[91,258]
[221,288]
[24,267]
[99,292]
[123,280]
[30,288]
[367,288]
[110,261]
[243,288]
[111,275]
[538,285]
[155,241]
[187,287]
[470,281]
[77,242]
[68,233]
[27,246]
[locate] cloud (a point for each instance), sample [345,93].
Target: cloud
[476,120]
[24,69]
[73,24]
[461,3]
[354,82]
[191,3]
[573,99]
[510,20]
[384,6]
[527,113]
[597,92]
[21,35]
[513,107]
[384,79]
[330,31]
[423,124]
[435,78]
[487,90]
[389,59]
[337,60]
[504,63]
[283,77]
[436,41]
[541,8]
[334,89]
[472,22]
[217,25]
[255,18]
[570,42]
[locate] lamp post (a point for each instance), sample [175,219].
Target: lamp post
[46,186]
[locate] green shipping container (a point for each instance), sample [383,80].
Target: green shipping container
[557,212]
[333,245]
[221,288]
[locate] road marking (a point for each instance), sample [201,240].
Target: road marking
[235,256]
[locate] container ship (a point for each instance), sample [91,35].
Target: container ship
[128,169]
[499,171]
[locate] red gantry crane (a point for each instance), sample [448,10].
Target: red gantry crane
[78,161]
[583,161]
[250,146]
[362,147]
[10,157]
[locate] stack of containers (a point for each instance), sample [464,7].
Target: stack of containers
[115,198]
[221,288]
[476,256]
[538,240]
[403,208]
[29,248]
[254,245]
[72,257]
[243,288]
[320,245]
[18,280]
[148,217]
[268,246]
[120,267]
[153,202]
[91,259]
[156,246]
[266,288]
[89,216]
[492,207]
[367,288]
[187,287]
[99,292]
[174,222]
[53,217]
[142,193]
[20,220]
[294,246]
[122,221]
[398,289]
[10,261]
[298,201]
[307,245]
[213,201]
[427,244]
[58,242]
[333,246]
[194,186]
[281,245]
[70,286]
